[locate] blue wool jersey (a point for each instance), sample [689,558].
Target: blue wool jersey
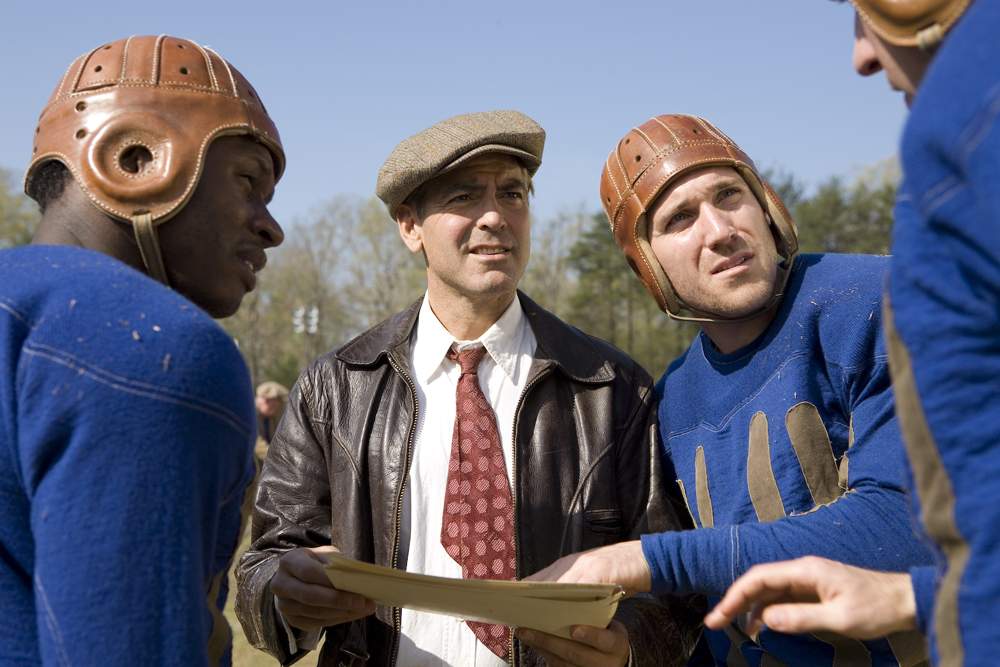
[945,294]
[789,447]
[126,435]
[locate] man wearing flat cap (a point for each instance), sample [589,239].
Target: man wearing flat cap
[472,435]
[269,400]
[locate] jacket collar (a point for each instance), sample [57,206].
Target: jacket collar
[507,342]
[558,344]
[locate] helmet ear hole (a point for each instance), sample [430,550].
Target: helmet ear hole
[134,159]
[130,162]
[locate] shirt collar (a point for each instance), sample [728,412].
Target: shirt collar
[432,341]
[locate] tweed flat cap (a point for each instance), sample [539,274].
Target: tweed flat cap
[271,389]
[446,145]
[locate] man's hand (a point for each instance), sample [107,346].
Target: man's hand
[305,596]
[814,594]
[623,564]
[590,646]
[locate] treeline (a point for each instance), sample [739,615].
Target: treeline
[18,214]
[344,269]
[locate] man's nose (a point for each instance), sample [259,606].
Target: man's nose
[719,226]
[864,58]
[491,216]
[268,229]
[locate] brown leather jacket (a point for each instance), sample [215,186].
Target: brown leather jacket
[587,472]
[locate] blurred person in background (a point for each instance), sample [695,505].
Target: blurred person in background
[269,401]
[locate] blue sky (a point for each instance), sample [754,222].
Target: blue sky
[346,81]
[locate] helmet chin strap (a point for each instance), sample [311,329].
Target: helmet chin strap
[149,247]
[930,37]
[776,297]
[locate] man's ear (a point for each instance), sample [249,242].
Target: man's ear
[410,228]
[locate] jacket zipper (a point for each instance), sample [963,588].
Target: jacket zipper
[513,488]
[397,614]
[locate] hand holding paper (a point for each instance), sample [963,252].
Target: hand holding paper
[305,595]
[622,564]
[588,646]
[553,608]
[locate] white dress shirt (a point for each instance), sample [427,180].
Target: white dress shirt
[433,639]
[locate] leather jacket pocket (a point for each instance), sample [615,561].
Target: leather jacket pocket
[604,522]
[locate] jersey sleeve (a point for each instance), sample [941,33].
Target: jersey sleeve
[135,486]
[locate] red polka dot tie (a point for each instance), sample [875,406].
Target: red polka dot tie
[477,529]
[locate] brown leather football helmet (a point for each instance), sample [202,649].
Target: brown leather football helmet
[921,23]
[162,97]
[644,163]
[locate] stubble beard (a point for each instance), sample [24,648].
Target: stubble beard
[744,299]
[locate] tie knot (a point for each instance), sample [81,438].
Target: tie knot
[468,358]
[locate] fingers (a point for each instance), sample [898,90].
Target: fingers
[557,651]
[864,605]
[544,574]
[814,594]
[560,570]
[762,585]
[318,552]
[589,647]
[623,564]
[288,589]
[309,617]
[305,596]
[305,565]
[613,639]
[342,608]
[799,618]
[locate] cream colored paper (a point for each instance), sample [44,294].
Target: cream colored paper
[545,606]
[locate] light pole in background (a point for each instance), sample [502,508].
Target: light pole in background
[305,320]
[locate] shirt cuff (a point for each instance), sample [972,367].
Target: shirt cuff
[298,640]
[924,581]
[656,557]
[692,561]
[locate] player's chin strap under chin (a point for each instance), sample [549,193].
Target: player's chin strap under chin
[149,247]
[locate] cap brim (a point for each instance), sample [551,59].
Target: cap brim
[531,162]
